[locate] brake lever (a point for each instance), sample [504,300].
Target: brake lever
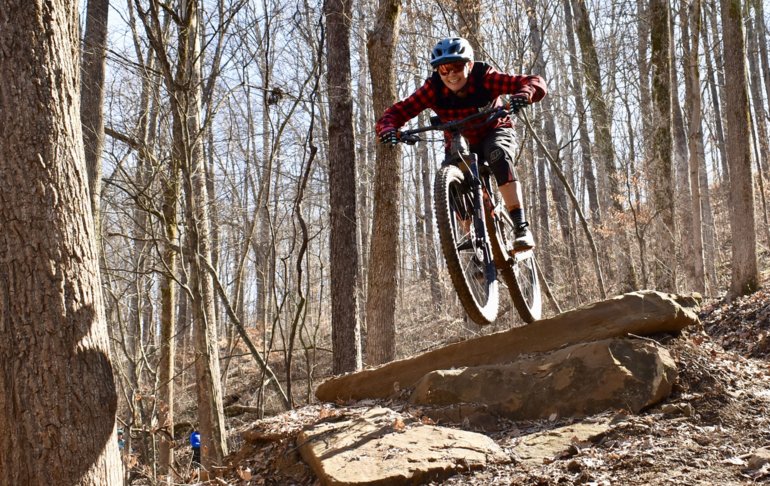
[497,114]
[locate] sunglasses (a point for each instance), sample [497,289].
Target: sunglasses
[452,67]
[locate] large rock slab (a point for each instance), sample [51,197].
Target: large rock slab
[378,446]
[577,381]
[640,313]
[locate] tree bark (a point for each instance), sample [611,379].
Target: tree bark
[691,25]
[585,140]
[92,98]
[662,172]
[346,335]
[549,129]
[609,187]
[383,257]
[744,278]
[58,406]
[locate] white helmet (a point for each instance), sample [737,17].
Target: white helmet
[451,49]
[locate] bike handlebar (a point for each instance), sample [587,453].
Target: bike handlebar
[410,137]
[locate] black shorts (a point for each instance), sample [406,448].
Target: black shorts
[499,149]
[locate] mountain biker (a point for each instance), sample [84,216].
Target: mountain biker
[458,88]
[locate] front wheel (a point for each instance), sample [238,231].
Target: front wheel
[466,249]
[518,270]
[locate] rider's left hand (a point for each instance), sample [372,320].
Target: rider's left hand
[519,102]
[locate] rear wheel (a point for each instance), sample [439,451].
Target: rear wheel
[468,257]
[519,271]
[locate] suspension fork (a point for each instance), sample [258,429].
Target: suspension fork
[480,232]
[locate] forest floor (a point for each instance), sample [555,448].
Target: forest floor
[712,430]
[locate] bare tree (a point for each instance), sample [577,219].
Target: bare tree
[744,278]
[92,97]
[609,187]
[662,146]
[346,335]
[585,141]
[59,399]
[691,25]
[383,257]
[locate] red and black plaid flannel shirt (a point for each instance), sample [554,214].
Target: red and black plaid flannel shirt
[497,83]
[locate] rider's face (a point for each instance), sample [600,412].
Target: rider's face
[455,75]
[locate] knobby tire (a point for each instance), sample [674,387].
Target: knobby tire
[453,198]
[519,273]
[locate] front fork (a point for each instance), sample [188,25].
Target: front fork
[483,242]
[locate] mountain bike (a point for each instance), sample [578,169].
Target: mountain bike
[475,230]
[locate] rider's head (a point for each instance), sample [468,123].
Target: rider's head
[453,59]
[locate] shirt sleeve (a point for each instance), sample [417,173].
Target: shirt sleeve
[397,115]
[533,87]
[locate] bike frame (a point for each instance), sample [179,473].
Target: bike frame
[459,155]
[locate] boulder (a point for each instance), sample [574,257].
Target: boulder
[577,381]
[639,313]
[379,446]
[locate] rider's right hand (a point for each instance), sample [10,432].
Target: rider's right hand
[389,136]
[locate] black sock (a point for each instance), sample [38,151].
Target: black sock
[517,215]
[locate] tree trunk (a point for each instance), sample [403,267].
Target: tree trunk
[717,80]
[763,55]
[760,125]
[549,125]
[643,42]
[609,188]
[691,25]
[469,24]
[662,172]
[383,257]
[186,91]
[346,335]
[744,278]
[364,141]
[682,184]
[585,140]
[92,98]
[58,406]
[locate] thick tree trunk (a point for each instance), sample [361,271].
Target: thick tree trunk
[346,335]
[58,406]
[744,278]
[383,257]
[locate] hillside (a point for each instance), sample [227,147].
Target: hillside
[710,430]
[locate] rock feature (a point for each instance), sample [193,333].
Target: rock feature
[577,381]
[639,313]
[379,446]
[548,445]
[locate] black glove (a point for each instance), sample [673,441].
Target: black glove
[518,102]
[389,136]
